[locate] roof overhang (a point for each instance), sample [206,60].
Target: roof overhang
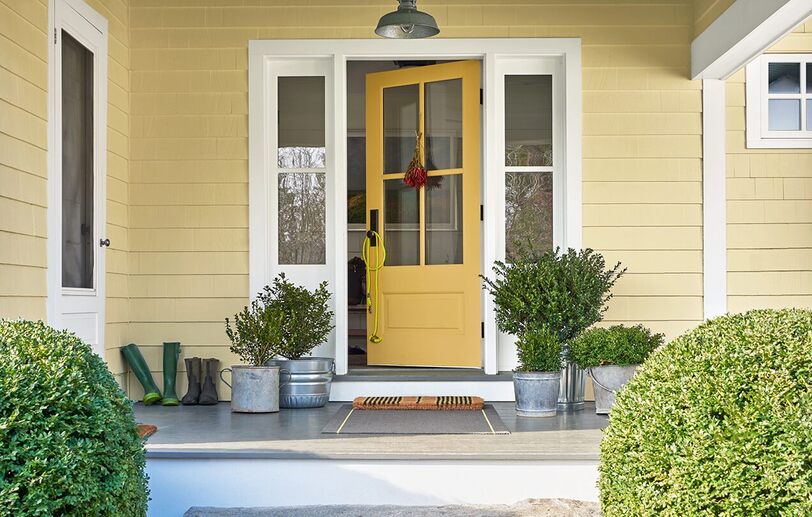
[745,30]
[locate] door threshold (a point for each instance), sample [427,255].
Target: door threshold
[393,374]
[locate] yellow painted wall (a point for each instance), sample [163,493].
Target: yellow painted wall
[769,208]
[23,163]
[706,12]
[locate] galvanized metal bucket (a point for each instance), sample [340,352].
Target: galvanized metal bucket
[306,381]
[606,382]
[255,388]
[536,393]
[573,385]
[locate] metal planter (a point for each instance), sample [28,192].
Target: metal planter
[606,382]
[573,386]
[536,393]
[254,389]
[305,382]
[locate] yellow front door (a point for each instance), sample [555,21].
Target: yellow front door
[429,287]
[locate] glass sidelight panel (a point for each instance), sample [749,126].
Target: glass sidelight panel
[401,106]
[443,105]
[77,164]
[444,219]
[528,120]
[401,223]
[302,233]
[528,213]
[301,123]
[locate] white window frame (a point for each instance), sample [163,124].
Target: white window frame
[757,100]
[498,56]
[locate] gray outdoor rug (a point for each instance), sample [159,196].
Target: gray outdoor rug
[415,421]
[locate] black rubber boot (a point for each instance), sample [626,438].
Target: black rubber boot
[208,393]
[193,375]
[171,355]
[139,367]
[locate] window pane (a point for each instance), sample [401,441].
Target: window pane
[809,114]
[528,120]
[301,218]
[809,78]
[77,164]
[301,123]
[785,78]
[401,223]
[444,219]
[785,114]
[443,106]
[528,213]
[356,179]
[400,110]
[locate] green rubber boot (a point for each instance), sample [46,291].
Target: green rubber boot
[139,367]
[171,355]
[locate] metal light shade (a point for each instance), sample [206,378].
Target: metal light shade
[407,23]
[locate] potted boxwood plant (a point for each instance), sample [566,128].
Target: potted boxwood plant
[537,379]
[564,293]
[255,339]
[611,357]
[305,322]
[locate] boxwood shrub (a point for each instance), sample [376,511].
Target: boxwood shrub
[618,345]
[68,444]
[717,422]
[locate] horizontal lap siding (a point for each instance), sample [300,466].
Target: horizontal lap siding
[769,209]
[188,183]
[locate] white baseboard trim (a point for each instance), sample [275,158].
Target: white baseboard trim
[492,391]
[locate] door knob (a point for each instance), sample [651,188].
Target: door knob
[104,243]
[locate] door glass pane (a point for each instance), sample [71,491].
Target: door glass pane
[77,164]
[444,219]
[528,120]
[785,78]
[401,223]
[528,213]
[301,218]
[785,114]
[400,120]
[443,105]
[301,123]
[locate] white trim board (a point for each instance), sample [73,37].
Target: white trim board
[492,52]
[714,203]
[745,30]
[492,391]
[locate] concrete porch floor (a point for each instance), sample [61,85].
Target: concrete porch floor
[213,432]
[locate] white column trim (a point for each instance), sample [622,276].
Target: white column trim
[714,203]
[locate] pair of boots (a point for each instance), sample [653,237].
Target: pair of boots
[152,394]
[202,388]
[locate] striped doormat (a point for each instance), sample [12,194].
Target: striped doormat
[428,403]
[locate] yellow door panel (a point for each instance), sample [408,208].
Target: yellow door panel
[429,289]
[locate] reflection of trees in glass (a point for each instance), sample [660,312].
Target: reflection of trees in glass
[302,218]
[528,212]
[356,207]
[300,158]
[526,155]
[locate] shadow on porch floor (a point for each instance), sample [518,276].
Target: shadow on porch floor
[214,432]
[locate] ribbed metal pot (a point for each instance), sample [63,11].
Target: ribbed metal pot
[254,389]
[573,386]
[536,393]
[304,383]
[606,382]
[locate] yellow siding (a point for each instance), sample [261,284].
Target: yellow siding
[769,209]
[706,12]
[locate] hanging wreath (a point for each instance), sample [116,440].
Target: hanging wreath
[416,174]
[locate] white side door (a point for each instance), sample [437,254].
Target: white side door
[77,171]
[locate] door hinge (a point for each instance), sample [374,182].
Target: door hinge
[482,327]
[55,44]
[481,212]
[481,95]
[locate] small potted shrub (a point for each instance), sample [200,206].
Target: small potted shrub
[611,357]
[255,338]
[564,293]
[537,380]
[305,322]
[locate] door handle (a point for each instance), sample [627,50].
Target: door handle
[104,243]
[373,227]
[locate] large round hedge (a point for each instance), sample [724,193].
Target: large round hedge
[68,444]
[717,422]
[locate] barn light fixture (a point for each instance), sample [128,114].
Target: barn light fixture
[407,23]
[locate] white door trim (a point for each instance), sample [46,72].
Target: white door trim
[91,29]
[491,51]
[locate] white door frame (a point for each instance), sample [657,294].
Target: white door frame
[91,30]
[493,53]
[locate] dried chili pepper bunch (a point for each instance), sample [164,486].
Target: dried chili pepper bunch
[416,174]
